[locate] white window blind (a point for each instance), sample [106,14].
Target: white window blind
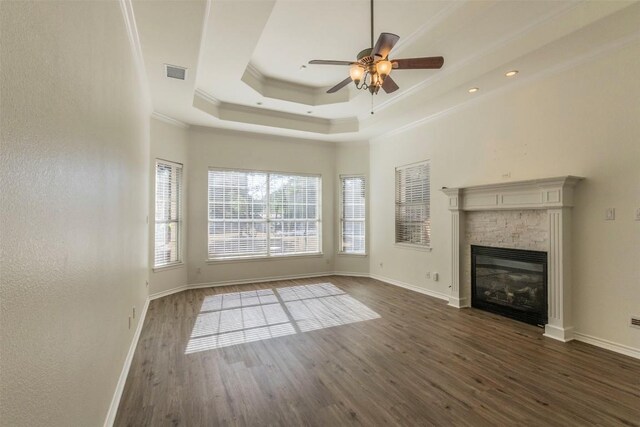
[256,214]
[168,224]
[413,203]
[352,218]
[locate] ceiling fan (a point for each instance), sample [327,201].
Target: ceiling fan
[371,71]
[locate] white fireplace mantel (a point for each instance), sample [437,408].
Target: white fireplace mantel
[555,195]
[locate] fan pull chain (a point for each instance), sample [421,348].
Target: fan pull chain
[372,103]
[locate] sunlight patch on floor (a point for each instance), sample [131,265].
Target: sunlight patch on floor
[243,317]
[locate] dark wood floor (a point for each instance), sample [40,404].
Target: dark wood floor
[418,363]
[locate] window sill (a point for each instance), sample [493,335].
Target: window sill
[414,247]
[354,255]
[262,258]
[168,267]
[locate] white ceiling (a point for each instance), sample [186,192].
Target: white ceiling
[241,53]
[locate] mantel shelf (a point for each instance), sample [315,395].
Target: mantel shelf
[544,193]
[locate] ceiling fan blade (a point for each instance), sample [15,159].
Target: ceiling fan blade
[434,62]
[329,62]
[389,85]
[340,85]
[385,43]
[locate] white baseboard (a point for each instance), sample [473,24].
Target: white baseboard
[257,280]
[405,285]
[608,345]
[168,292]
[350,273]
[115,400]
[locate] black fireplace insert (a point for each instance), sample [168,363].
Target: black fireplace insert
[510,282]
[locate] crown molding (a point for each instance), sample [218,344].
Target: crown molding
[498,44]
[136,49]
[273,88]
[557,69]
[271,118]
[203,37]
[170,120]
[429,25]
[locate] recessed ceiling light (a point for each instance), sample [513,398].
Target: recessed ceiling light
[473,90]
[511,73]
[258,103]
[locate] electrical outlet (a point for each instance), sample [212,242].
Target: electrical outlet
[198,270]
[435,277]
[610,214]
[638,214]
[428,275]
[506,175]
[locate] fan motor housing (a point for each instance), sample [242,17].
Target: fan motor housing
[365,58]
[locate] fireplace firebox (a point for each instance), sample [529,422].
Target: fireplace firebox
[510,282]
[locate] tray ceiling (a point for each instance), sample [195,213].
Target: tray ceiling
[244,58]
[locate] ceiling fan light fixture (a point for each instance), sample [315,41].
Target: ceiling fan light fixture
[384,68]
[511,73]
[356,72]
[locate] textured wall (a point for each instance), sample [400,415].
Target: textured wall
[521,229]
[74,185]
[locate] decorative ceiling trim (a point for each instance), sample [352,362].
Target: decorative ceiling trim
[261,136]
[203,37]
[557,69]
[136,49]
[500,43]
[271,118]
[431,23]
[170,120]
[284,90]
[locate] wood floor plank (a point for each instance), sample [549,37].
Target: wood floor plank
[300,362]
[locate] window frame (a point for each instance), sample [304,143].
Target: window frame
[342,220]
[179,221]
[405,244]
[269,220]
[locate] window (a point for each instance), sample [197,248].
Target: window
[413,220]
[261,214]
[352,217]
[168,231]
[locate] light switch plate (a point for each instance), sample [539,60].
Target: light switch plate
[610,214]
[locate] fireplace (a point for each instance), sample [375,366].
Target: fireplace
[510,282]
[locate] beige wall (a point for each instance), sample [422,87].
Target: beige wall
[73,203]
[583,121]
[217,148]
[168,142]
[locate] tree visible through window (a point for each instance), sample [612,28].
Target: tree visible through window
[253,214]
[413,204]
[168,223]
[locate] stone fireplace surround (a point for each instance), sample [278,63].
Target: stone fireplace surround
[533,214]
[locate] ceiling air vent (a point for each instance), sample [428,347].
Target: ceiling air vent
[175,72]
[635,321]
